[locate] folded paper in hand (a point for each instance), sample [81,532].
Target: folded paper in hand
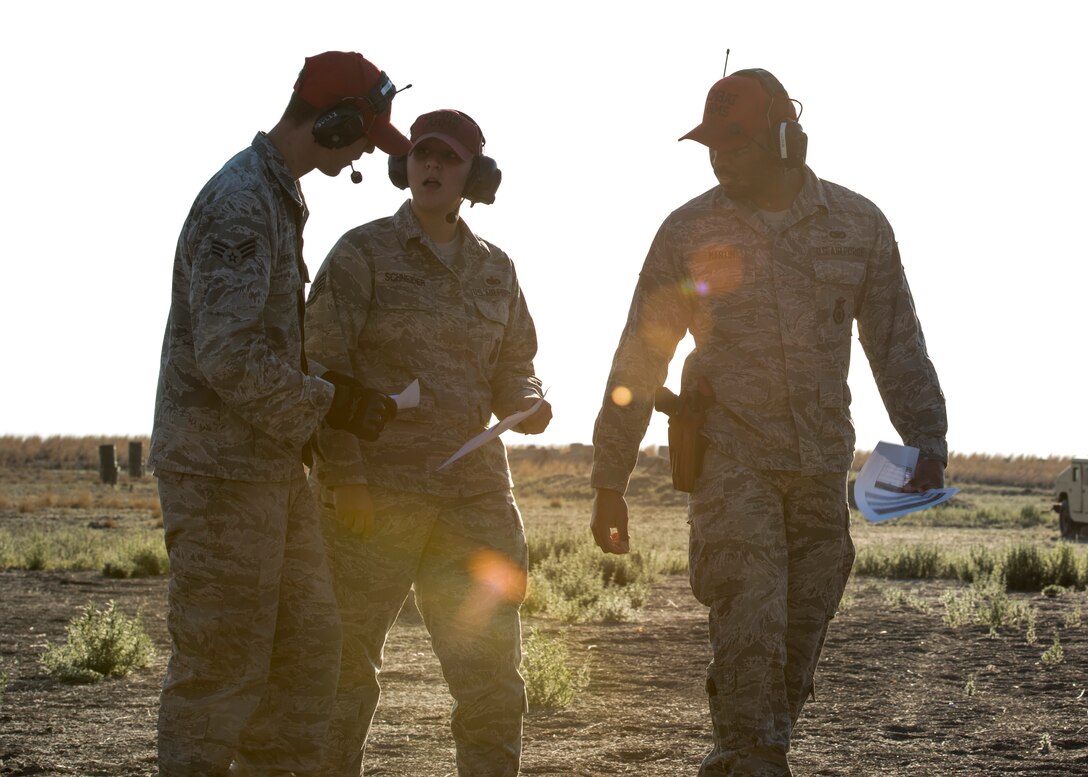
[878,489]
[492,432]
[409,397]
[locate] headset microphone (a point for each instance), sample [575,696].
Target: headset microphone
[356,176]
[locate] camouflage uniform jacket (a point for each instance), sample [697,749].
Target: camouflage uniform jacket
[385,308]
[233,401]
[770,305]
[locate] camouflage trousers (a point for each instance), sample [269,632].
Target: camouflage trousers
[254,627]
[467,560]
[770,554]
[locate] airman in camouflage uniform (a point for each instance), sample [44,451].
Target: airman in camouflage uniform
[419,296]
[768,271]
[252,615]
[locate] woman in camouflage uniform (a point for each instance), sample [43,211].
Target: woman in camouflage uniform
[418,296]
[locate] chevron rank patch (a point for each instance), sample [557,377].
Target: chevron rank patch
[236,253]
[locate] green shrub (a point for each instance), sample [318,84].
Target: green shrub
[37,557]
[1025,569]
[984,602]
[146,560]
[912,562]
[570,579]
[1062,569]
[101,643]
[550,682]
[583,585]
[1072,619]
[1054,654]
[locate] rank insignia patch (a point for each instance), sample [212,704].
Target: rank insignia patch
[234,254]
[316,287]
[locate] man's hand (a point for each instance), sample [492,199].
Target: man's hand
[354,508]
[538,421]
[356,408]
[609,522]
[928,473]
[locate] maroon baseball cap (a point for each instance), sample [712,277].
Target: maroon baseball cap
[738,107]
[457,130]
[335,76]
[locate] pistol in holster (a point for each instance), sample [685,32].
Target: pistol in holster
[687,414]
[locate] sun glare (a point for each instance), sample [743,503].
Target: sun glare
[621,396]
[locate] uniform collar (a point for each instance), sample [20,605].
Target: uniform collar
[811,199]
[277,166]
[408,229]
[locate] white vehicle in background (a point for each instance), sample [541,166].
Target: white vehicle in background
[1072,504]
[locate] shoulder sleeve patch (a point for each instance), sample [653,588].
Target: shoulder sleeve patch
[234,253]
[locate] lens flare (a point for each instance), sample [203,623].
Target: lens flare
[496,581]
[621,396]
[715,270]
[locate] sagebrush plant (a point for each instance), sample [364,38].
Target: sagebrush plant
[1072,619]
[985,602]
[101,643]
[572,580]
[895,597]
[146,559]
[1054,654]
[128,554]
[1029,633]
[971,687]
[3,687]
[550,681]
[1024,567]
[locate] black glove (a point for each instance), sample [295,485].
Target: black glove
[356,408]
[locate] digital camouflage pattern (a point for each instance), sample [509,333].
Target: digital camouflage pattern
[771,308]
[387,309]
[254,627]
[769,554]
[252,616]
[467,559]
[232,399]
[770,300]
[388,306]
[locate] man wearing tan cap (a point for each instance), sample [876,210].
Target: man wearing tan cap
[252,615]
[768,271]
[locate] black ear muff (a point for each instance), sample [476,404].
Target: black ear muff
[340,126]
[398,171]
[483,181]
[790,143]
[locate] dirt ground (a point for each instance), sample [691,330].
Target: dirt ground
[898,693]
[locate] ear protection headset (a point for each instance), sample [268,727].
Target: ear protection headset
[345,123]
[484,176]
[789,141]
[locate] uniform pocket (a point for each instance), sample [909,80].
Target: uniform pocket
[493,311]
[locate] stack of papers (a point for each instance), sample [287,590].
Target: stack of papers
[878,489]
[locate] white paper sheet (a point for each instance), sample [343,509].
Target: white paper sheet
[409,397]
[878,489]
[492,432]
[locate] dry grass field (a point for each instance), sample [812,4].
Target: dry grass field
[954,651]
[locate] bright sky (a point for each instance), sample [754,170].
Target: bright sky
[964,123]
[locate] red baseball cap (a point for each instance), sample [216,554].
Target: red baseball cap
[335,76]
[457,130]
[738,107]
